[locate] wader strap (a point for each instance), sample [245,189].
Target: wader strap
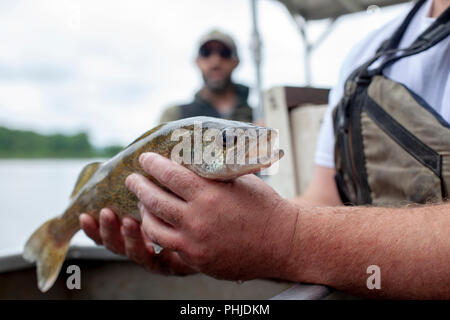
[435,33]
[394,40]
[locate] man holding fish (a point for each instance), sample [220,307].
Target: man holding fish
[242,229]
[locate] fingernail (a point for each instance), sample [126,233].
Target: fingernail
[125,222]
[129,181]
[143,157]
[129,225]
[147,156]
[105,216]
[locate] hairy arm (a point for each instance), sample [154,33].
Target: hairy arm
[335,245]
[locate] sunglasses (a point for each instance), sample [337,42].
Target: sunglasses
[224,53]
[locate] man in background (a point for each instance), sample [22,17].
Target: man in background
[219,97]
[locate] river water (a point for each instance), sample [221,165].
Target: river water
[31,192]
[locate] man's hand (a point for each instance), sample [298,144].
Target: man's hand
[236,230]
[128,239]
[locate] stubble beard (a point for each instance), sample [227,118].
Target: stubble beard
[217,86]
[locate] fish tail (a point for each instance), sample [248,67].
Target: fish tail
[48,247]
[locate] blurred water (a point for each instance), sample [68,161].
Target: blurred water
[32,191]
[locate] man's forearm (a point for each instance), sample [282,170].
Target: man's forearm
[335,245]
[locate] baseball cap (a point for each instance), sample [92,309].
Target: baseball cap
[217,35]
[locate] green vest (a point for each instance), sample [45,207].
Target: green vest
[200,107]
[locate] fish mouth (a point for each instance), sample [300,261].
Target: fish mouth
[264,162]
[260,154]
[263,151]
[267,161]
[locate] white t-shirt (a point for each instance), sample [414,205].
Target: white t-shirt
[426,73]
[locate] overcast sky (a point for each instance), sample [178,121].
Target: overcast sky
[110,67]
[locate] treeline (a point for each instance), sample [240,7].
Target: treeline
[29,144]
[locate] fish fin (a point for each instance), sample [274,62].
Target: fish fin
[48,247]
[84,176]
[145,134]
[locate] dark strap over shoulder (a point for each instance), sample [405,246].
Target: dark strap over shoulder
[435,33]
[394,40]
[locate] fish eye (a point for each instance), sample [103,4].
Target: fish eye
[226,137]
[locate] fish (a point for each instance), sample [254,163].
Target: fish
[213,148]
